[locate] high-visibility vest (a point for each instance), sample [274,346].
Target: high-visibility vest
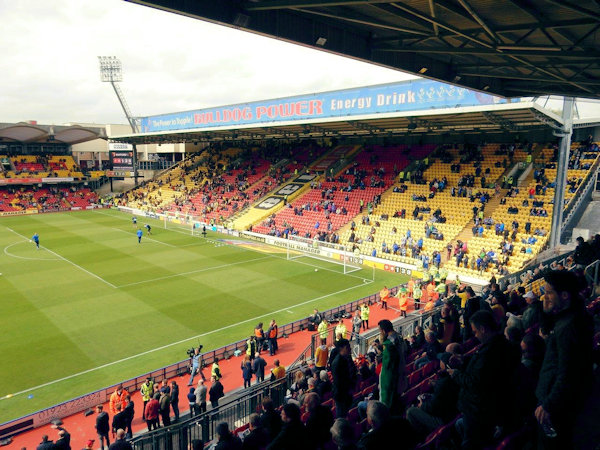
[384,294]
[342,330]
[323,329]
[258,332]
[403,302]
[216,371]
[273,332]
[364,312]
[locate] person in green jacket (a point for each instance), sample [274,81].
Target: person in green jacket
[364,315]
[322,329]
[392,379]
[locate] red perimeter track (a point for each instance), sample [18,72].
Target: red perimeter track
[82,428]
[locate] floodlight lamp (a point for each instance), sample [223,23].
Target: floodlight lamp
[321,41]
[422,70]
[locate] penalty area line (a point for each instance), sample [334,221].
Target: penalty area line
[208,333]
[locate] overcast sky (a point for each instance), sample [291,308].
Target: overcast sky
[50,70]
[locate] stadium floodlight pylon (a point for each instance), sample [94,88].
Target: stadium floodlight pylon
[111,71]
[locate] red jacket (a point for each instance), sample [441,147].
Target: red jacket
[152,409]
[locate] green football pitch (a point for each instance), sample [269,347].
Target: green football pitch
[92,307]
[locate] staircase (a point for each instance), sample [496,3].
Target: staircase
[467,232]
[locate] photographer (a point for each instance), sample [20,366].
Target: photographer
[196,359]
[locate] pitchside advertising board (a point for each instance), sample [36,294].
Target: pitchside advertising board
[121,159]
[385,98]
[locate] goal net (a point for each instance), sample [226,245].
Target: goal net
[335,254]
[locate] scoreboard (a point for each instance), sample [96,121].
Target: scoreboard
[121,157]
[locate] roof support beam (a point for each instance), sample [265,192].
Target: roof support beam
[576,8]
[480,21]
[364,22]
[287,4]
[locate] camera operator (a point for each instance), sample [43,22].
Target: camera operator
[195,356]
[314,320]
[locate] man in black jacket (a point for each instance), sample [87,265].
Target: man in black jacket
[344,378]
[102,426]
[119,420]
[566,374]
[45,444]
[484,397]
[64,439]
[258,438]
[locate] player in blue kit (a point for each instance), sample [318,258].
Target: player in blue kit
[36,239]
[139,235]
[149,228]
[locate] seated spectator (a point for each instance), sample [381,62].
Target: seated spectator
[318,422]
[270,419]
[431,350]
[293,432]
[226,440]
[258,438]
[385,429]
[342,435]
[439,408]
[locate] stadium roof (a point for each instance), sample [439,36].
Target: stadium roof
[511,48]
[511,117]
[25,132]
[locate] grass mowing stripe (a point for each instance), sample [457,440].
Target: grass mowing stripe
[191,272]
[286,309]
[70,262]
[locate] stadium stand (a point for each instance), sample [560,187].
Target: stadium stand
[45,199]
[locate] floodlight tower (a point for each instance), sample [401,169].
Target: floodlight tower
[111,72]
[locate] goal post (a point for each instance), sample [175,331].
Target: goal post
[298,247]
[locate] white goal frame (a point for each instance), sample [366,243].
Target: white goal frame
[300,247]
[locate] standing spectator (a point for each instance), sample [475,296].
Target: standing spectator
[165,408]
[121,443]
[270,420]
[258,367]
[102,426]
[485,389]
[251,347]
[278,371]
[45,444]
[246,367]
[392,379]
[151,412]
[226,439]
[356,323]
[215,392]
[129,414]
[566,374]
[343,371]
[258,438]
[293,433]
[533,312]
[64,439]
[201,392]
[119,397]
[272,336]
[119,420]
[147,390]
[192,402]
[175,399]
[321,356]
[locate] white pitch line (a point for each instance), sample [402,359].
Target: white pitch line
[70,262]
[206,269]
[7,253]
[175,343]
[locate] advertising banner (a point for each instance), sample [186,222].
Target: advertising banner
[20,180]
[386,98]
